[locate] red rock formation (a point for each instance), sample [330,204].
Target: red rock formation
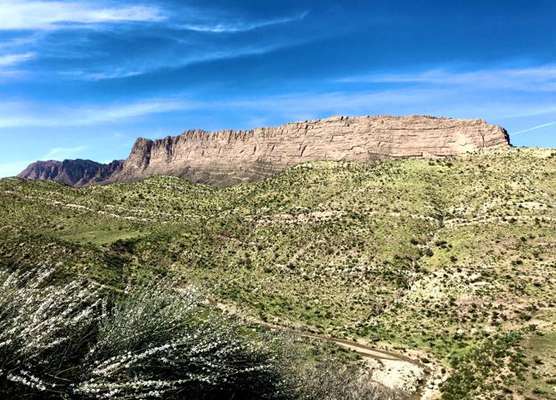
[228,157]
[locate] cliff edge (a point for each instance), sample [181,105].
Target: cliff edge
[228,157]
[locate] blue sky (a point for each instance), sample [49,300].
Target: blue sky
[83,79]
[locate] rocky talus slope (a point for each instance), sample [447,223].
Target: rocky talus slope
[228,157]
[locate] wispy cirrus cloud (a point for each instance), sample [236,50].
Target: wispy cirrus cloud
[36,24]
[536,128]
[52,14]
[197,57]
[18,115]
[45,15]
[539,78]
[10,63]
[506,111]
[239,25]
[9,60]
[285,107]
[62,153]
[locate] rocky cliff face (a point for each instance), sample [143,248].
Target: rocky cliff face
[71,172]
[228,157]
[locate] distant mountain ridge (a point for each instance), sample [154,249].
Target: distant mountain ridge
[227,157]
[71,172]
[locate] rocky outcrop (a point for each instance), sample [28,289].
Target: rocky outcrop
[228,157]
[71,172]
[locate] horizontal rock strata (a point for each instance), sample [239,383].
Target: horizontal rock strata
[227,157]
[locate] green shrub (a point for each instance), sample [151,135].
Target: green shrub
[474,371]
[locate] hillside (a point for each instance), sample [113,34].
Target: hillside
[452,260]
[229,157]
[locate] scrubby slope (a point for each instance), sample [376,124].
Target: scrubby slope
[455,258]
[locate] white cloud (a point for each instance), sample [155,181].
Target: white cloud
[18,115]
[541,79]
[533,109]
[38,18]
[534,128]
[40,15]
[136,70]
[241,26]
[63,153]
[134,110]
[9,60]
[301,105]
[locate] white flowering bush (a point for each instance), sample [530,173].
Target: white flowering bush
[158,343]
[153,342]
[78,341]
[45,332]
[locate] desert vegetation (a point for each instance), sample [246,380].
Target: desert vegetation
[449,262]
[81,341]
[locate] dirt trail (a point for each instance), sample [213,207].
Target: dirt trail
[392,370]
